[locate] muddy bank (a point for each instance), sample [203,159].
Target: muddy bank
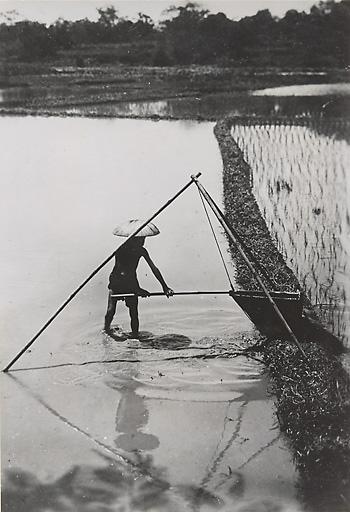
[244,215]
[312,404]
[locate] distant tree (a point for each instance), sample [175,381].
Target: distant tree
[190,34]
[183,32]
[322,8]
[123,31]
[256,36]
[338,28]
[185,17]
[162,56]
[61,33]
[107,24]
[217,37]
[145,19]
[292,17]
[84,32]
[108,16]
[35,40]
[144,26]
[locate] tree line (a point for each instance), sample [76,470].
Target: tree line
[192,35]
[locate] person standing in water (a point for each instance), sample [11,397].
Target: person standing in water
[123,278]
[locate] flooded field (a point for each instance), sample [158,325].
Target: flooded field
[215,106]
[169,418]
[293,101]
[341,89]
[300,179]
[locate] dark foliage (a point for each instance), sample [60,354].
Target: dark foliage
[313,408]
[193,35]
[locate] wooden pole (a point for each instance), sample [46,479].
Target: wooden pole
[230,231]
[77,290]
[161,294]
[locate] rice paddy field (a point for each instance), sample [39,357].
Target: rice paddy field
[311,387]
[300,180]
[180,419]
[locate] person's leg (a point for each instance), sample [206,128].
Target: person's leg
[111,307]
[132,304]
[134,317]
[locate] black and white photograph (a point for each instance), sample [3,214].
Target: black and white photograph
[175,255]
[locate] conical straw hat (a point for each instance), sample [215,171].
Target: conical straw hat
[130,226]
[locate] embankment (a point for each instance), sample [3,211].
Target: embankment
[312,402]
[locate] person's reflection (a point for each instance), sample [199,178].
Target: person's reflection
[132,413]
[132,416]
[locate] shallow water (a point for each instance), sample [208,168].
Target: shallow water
[215,106]
[175,435]
[341,89]
[169,418]
[295,100]
[68,182]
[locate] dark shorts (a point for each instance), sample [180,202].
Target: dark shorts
[129,301]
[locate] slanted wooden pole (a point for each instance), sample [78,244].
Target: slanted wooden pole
[77,290]
[230,231]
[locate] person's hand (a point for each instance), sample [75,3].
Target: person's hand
[143,293]
[168,292]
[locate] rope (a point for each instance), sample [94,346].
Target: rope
[216,240]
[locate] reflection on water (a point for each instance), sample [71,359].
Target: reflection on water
[149,340]
[86,488]
[300,181]
[160,108]
[218,105]
[341,89]
[187,429]
[112,488]
[299,100]
[132,415]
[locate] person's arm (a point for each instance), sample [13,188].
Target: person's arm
[157,274]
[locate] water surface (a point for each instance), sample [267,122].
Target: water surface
[291,101]
[215,106]
[341,89]
[168,418]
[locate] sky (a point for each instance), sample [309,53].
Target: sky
[48,11]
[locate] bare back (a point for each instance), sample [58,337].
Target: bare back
[123,277]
